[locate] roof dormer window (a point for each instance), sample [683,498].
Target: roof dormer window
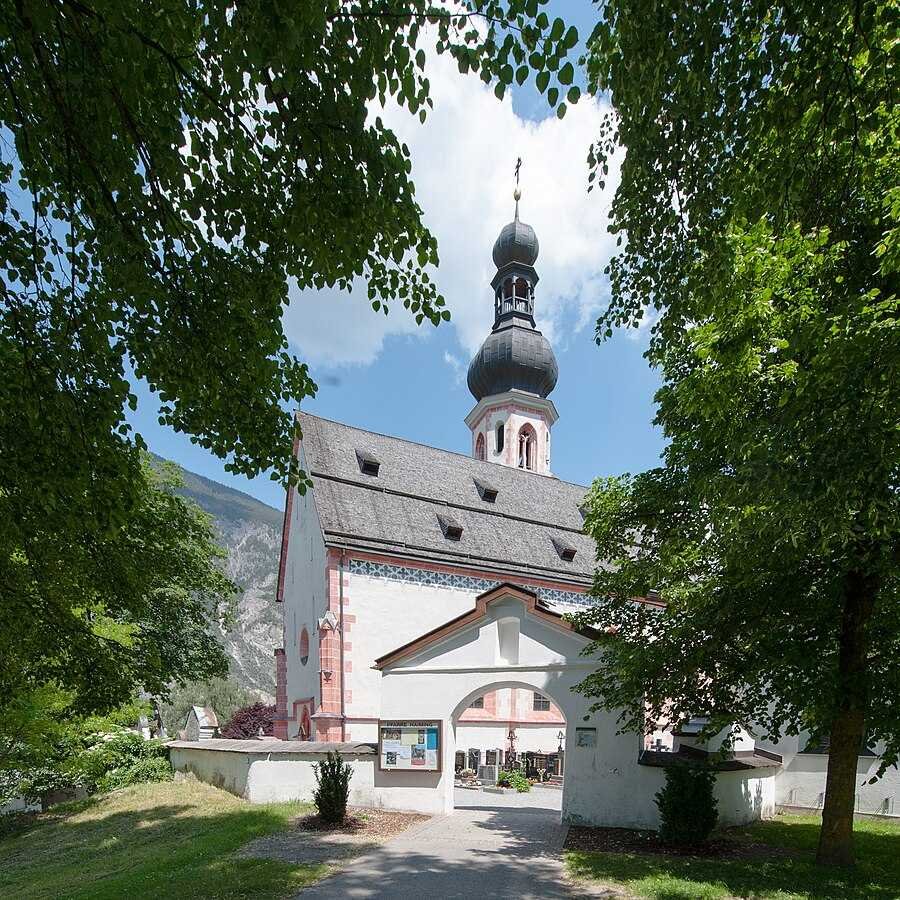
[565,550]
[486,491]
[450,527]
[368,462]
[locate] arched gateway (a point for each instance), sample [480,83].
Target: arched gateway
[508,640]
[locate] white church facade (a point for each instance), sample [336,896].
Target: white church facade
[423,595]
[395,538]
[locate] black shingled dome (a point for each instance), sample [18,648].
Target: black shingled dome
[517,242]
[513,357]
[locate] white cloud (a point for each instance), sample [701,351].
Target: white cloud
[463,159]
[457,365]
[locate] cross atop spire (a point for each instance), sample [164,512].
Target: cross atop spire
[517,193]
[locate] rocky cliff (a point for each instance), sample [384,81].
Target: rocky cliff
[251,533]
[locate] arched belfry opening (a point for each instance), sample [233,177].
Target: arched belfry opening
[526,449]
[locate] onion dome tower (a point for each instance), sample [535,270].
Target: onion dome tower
[514,372]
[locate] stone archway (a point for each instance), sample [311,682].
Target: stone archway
[507,640]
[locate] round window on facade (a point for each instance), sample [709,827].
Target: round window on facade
[304,646]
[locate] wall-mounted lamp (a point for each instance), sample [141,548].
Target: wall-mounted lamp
[329,622]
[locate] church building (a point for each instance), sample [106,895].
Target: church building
[395,538]
[423,595]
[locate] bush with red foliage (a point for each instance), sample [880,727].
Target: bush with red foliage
[246,722]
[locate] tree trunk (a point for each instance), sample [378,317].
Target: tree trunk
[849,723]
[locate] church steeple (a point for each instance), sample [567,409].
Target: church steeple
[514,372]
[515,252]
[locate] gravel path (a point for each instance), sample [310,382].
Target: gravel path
[494,845]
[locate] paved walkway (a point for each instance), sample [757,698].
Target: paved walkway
[494,845]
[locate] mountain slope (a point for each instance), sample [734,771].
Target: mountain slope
[250,531]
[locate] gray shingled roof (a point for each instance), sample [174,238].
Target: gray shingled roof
[397,511]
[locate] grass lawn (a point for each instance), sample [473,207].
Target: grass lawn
[151,840]
[876,876]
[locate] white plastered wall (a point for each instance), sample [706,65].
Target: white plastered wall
[441,680]
[801,781]
[388,615]
[513,419]
[271,777]
[603,784]
[305,599]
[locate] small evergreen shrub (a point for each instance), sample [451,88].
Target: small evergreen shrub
[688,810]
[246,722]
[332,788]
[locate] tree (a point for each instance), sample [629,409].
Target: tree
[45,747]
[246,722]
[224,695]
[759,210]
[131,609]
[176,168]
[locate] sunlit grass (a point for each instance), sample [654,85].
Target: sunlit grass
[152,840]
[659,877]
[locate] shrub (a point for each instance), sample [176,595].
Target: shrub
[150,769]
[332,788]
[54,781]
[687,807]
[514,778]
[105,765]
[246,722]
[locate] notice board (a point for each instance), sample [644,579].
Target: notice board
[409,746]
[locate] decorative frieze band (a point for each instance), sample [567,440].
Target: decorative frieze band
[470,583]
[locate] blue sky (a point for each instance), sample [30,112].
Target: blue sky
[387,375]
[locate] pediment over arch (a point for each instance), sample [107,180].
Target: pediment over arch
[486,605]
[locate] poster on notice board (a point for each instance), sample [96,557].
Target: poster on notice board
[413,746]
